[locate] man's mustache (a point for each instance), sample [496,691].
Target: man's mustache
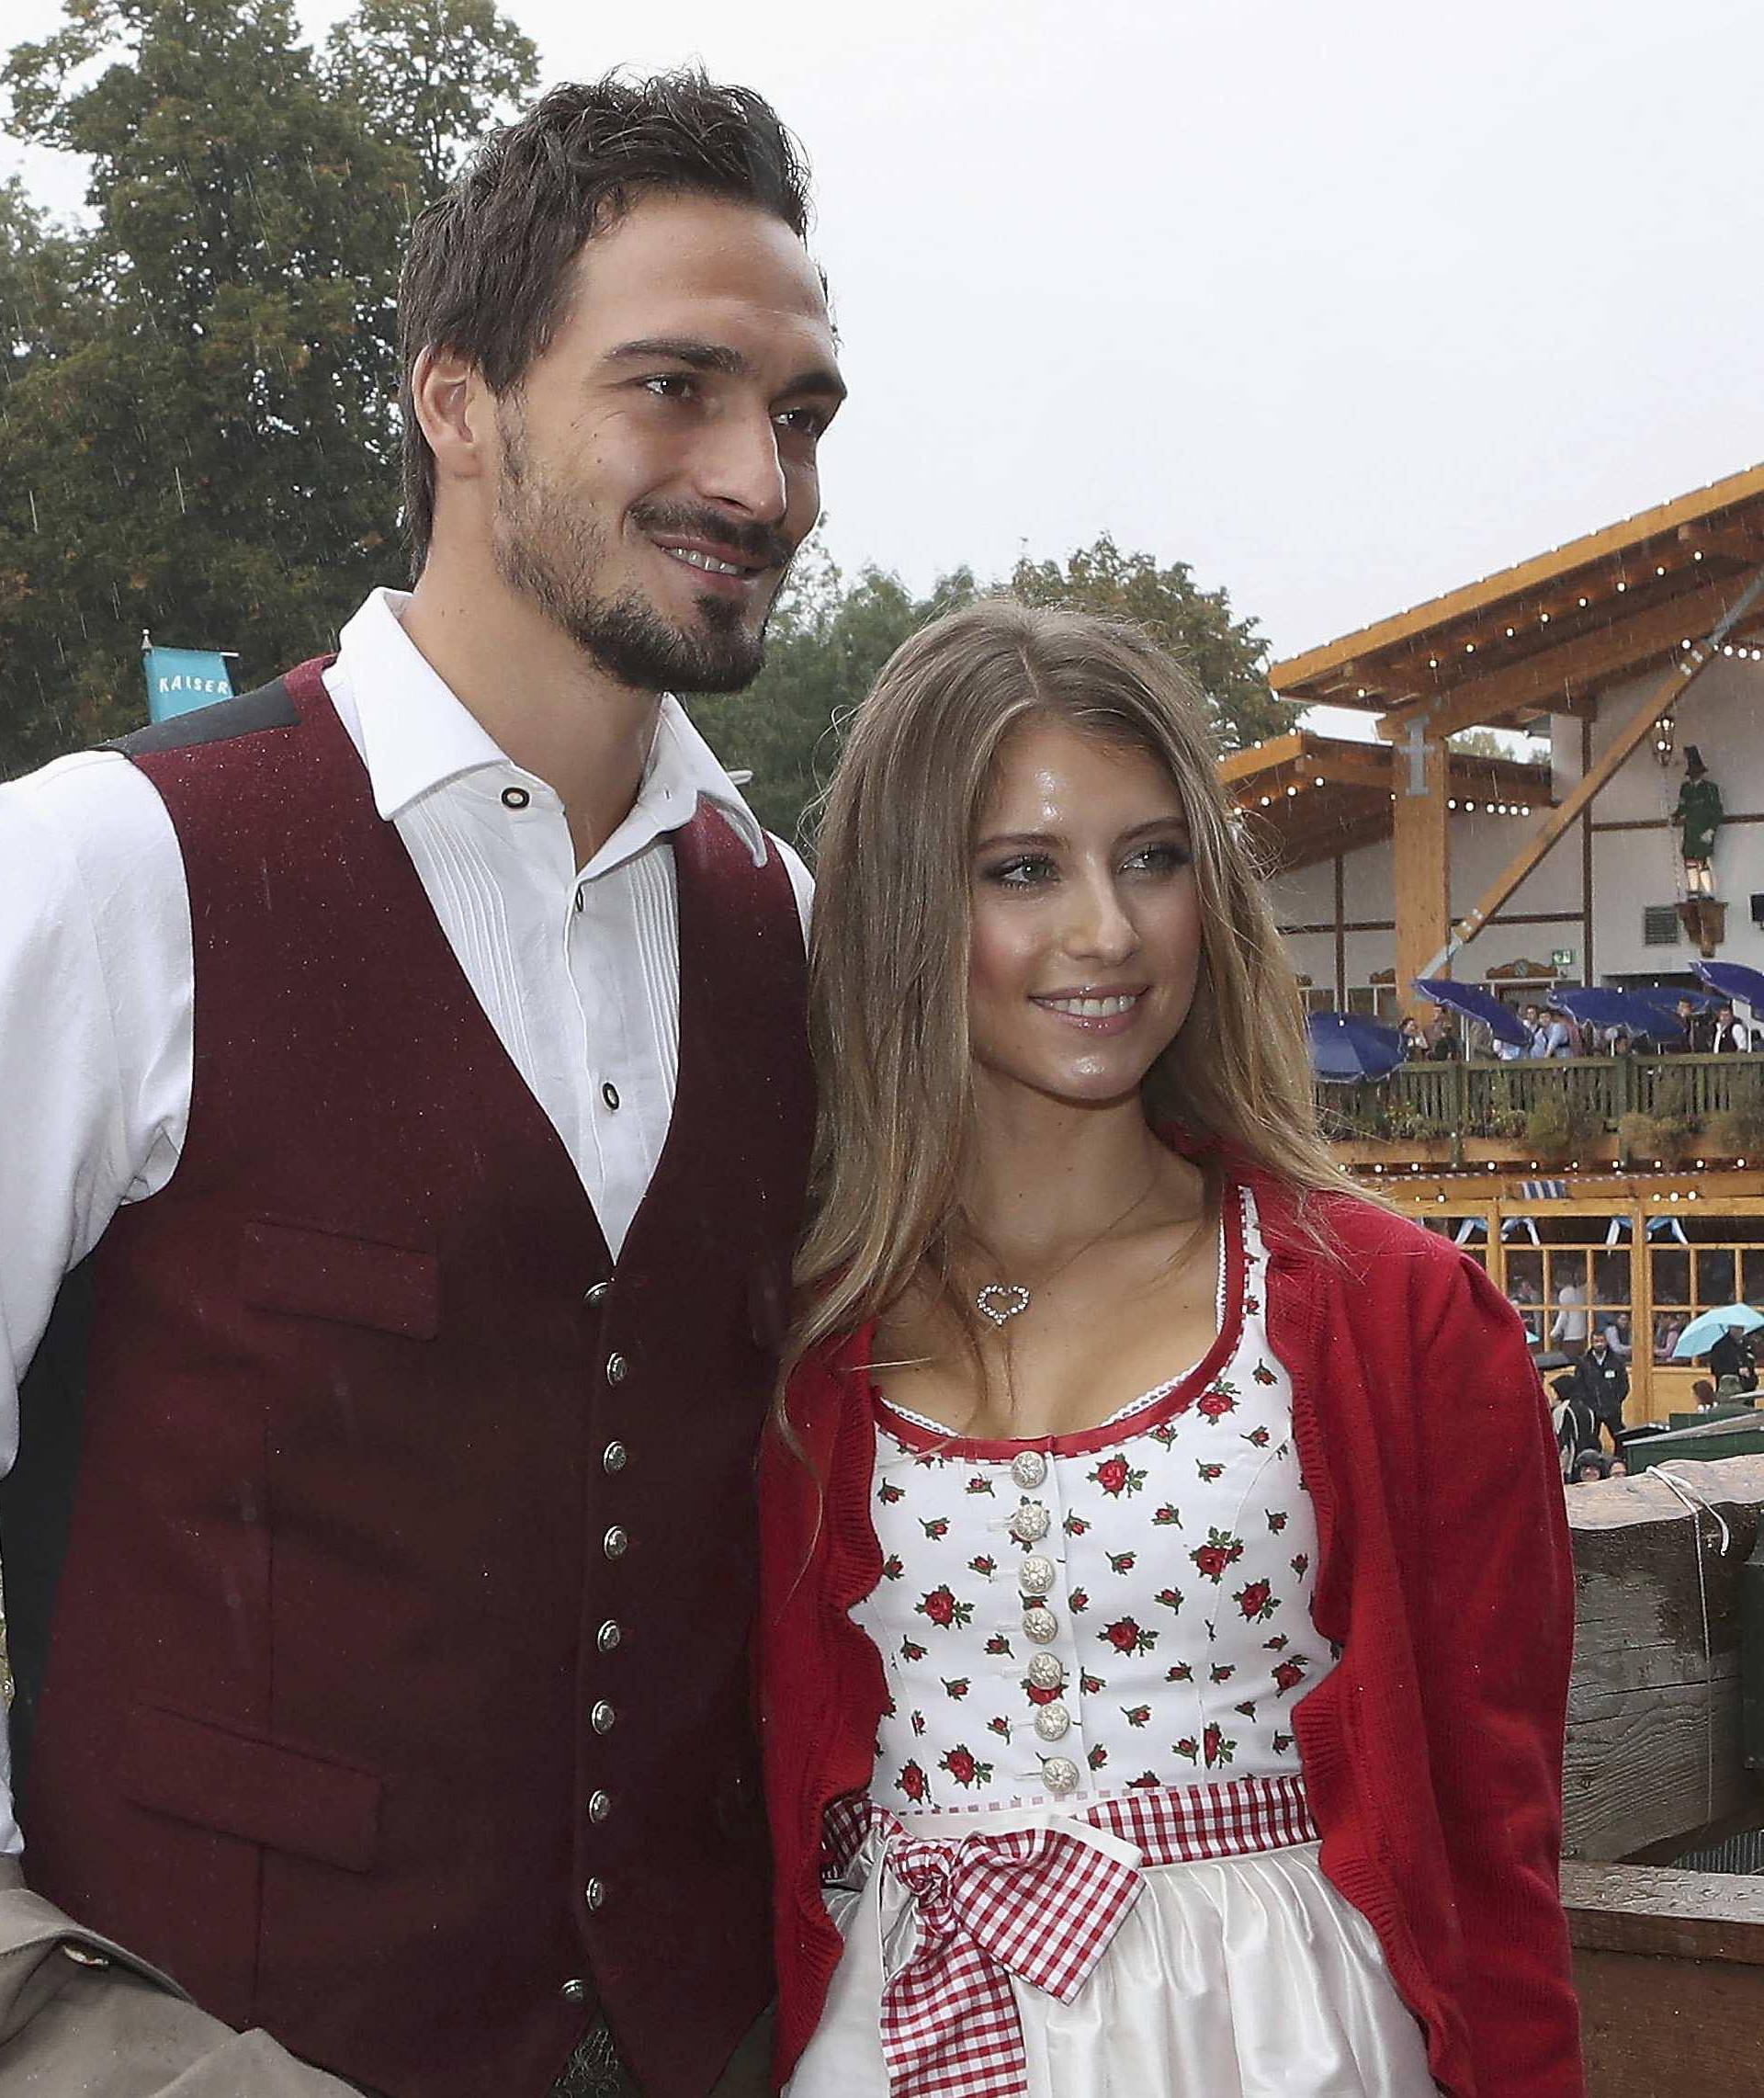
[765,545]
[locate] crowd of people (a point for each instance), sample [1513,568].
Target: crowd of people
[1591,1394]
[1702,1030]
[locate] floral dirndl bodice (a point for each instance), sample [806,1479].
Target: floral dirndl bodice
[1130,1607]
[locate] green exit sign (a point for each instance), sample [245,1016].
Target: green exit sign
[1562,957]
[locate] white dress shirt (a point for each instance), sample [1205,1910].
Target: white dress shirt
[577,969]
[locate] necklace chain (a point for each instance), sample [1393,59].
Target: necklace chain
[1001,1301]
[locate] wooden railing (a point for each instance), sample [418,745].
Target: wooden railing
[1432,1101]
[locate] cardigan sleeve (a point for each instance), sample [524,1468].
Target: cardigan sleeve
[1494,1642]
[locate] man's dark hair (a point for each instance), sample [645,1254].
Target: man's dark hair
[488,270]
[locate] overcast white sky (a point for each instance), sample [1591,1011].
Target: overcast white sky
[1342,301]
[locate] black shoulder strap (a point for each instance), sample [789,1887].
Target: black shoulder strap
[269,707]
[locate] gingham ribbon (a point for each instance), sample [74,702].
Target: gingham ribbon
[1042,1903]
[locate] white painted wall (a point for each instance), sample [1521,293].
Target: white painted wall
[1723,715]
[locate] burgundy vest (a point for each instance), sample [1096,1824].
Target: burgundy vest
[347,1642]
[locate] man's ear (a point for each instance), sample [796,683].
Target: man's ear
[457,414]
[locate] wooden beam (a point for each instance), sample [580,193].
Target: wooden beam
[1421,868]
[1615,540]
[1277,751]
[1668,689]
[1550,679]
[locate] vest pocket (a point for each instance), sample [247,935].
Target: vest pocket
[318,1273]
[249,1786]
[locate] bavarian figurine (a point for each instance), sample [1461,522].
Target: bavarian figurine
[1697,818]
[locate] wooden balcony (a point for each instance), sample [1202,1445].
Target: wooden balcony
[1639,1109]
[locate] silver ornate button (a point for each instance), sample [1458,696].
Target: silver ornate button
[1041,1625]
[616,1369]
[617,1541]
[608,1636]
[1030,1522]
[1053,1722]
[601,1718]
[1046,1670]
[1060,1774]
[615,1457]
[1037,1574]
[599,1804]
[594,1894]
[574,1992]
[1029,1468]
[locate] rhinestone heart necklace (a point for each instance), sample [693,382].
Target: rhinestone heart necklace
[1002,1302]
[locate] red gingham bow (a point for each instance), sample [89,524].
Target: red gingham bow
[1038,1903]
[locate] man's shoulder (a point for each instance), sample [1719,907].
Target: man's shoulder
[92,820]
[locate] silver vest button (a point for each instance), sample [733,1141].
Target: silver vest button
[1053,1722]
[599,1804]
[1060,1774]
[1046,1671]
[574,1992]
[1041,1625]
[1029,1525]
[601,1718]
[617,1541]
[596,1296]
[594,1894]
[1029,1468]
[615,1458]
[608,1636]
[1037,1574]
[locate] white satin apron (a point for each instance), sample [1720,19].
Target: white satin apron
[1231,1977]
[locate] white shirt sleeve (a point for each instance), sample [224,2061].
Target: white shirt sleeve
[802,883]
[94,1038]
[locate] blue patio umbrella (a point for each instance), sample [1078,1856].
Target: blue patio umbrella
[1347,1045]
[1733,980]
[1707,1328]
[1605,1008]
[1665,997]
[1504,1024]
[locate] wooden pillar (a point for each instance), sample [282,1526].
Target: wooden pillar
[1340,934]
[1421,863]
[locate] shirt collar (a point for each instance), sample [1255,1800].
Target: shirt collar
[414,736]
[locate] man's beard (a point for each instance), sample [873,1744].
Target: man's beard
[550,551]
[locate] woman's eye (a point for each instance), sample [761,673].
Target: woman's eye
[1161,859]
[1024,871]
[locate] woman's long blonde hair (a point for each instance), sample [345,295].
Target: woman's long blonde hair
[890,953]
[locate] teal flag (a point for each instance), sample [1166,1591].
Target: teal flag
[179,680]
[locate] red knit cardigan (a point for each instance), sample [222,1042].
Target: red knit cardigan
[1431,1753]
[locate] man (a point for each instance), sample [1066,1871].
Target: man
[419,1043]
[1732,1037]
[1603,1380]
[1732,1356]
[1569,1327]
[1699,1031]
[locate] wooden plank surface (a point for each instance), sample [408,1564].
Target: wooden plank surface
[1653,1749]
[1669,1914]
[1667,2028]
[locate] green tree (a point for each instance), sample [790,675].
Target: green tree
[826,644]
[432,74]
[200,429]
[1226,655]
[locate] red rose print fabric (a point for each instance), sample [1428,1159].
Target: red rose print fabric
[1174,1636]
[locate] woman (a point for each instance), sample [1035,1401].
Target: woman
[1145,1506]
